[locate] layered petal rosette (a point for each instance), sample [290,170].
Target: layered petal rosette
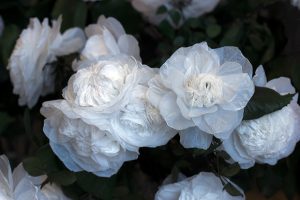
[38,46]
[78,125]
[188,8]
[202,92]
[108,37]
[18,185]
[204,186]
[139,123]
[270,137]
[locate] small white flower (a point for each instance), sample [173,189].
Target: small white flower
[108,37]
[78,125]
[38,46]
[202,91]
[204,186]
[18,185]
[1,25]
[189,8]
[270,137]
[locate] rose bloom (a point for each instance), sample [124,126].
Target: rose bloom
[204,186]
[108,37]
[202,92]
[18,185]
[189,8]
[139,123]
[270,137]
[38,46]
[104,117]
[78,125]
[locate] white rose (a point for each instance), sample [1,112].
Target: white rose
[139,123]
[108,37]
[30,70]
[78,126]
[189,8]
[204,186]
[18,185]
[270,137]
[202,91]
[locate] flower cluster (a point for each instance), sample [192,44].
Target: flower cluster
[19,185]
[113,104]
[105,116]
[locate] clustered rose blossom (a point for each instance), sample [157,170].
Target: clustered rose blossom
[104,117]
[18,185]
[188,8]
[108,37]
[270,137]
[207,99]
[204,186]
[38,46]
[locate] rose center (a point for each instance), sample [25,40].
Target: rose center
[203,90]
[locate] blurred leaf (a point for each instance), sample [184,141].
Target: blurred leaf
[166,29]
[62,177]
[100,187]
[74,14]
[213,30]
[265,101]
[7,42]
[179,41]
[175,16]
[27,121]
[232,35]
[232,190]
[230,170]
[223,154]
[34,166]
[5,120]
[162,10]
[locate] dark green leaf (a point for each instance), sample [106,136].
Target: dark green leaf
[100,187]
[265,101]
[166,29]
[175,16]
[213,30]
[230,170]
[74,14]
[7,42]
[232,190]
[34,166]
[223,154]
[62,177]
[162,10]
[233,35]
[5,120]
